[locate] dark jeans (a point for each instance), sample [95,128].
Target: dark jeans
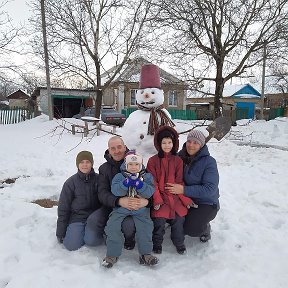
[99,220]
[197,219]
[177,233]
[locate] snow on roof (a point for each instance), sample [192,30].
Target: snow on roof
[247,96]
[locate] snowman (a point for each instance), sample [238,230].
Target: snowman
[141,125]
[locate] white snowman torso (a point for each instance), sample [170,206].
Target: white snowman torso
[135,129]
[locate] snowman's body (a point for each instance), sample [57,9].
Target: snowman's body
[135,129]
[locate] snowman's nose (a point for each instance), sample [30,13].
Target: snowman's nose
[146,95]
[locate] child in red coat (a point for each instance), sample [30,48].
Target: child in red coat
[167,167]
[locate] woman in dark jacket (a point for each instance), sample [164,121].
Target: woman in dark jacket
[78,200]
[201,180]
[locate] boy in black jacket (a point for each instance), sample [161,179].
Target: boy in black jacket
[78,200]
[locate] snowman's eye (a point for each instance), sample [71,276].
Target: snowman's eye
[152,92]
[142,91]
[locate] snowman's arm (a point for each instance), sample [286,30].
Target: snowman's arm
[117,187]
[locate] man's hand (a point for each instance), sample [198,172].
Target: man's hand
[132,203]
[124,202]
[60,239]
[137,203]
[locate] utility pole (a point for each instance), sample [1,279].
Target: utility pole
[46,57]
[263,80]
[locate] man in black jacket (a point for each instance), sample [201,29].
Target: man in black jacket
[114,156]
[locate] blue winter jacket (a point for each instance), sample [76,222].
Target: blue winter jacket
[118,189]
[201,177]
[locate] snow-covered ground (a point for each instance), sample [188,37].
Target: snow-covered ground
[249,235]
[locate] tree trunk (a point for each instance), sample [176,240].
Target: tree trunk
[218,91]
[98,102]
[46,57]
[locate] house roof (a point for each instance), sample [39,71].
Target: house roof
[131,73]
[234,91]
[36,91]
[247,91]
[19,94]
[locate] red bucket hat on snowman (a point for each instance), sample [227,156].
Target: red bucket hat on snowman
[150,77]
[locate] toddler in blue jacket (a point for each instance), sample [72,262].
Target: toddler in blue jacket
[133,181]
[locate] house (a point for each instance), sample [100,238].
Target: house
[18,99]
[246,98]
[121,92]
[242,98]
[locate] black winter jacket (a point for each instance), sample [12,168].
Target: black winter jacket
[78,199]
[106,173]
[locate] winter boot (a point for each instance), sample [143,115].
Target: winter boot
[129,244]
[157,249]
[109,261]
[206,236]
[148,260]
[181,250]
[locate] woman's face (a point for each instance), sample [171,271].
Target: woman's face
[192,147]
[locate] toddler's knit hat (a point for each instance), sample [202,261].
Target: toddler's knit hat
[133,157]
[84,155]
[198,136]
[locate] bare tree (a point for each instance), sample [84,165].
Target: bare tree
[219,39]
[8,35]
[86,36]
[6,87]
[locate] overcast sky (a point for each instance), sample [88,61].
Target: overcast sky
[18,10]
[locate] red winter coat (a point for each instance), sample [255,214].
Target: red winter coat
[167,170]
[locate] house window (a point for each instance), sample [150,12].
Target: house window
[172,98]
[133,97]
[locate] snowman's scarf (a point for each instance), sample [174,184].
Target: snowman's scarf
[157,118]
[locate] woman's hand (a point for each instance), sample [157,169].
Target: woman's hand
[174,188]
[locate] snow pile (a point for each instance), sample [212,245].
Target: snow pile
[249,235]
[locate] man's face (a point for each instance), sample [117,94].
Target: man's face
[117,149]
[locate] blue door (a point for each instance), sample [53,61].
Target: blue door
[250,106]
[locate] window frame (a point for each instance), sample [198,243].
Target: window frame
[172,93]
[131,104]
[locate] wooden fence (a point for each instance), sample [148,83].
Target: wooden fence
[15,115]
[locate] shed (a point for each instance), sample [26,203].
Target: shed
[18,99]
[66,102]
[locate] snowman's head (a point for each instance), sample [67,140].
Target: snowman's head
[150,97]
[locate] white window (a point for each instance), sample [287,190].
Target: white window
[133,97]
[172,98]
